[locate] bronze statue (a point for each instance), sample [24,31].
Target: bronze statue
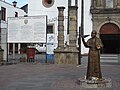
[94,44]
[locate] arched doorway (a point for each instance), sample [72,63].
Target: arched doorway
[110,36]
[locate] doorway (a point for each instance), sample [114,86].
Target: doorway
[110,36]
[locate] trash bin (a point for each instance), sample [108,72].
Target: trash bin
[30,54]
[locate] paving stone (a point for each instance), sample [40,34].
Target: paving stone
[24,76]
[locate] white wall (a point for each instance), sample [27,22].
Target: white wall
[87,23]
[10,12]
[35,7]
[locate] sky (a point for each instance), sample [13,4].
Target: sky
[20,3]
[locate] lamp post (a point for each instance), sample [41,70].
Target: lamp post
[14,3]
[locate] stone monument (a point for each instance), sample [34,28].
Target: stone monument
[67,55]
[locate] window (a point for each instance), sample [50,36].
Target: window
[3,13]
[16,14]
[109,3]
[48,3]
[49,29]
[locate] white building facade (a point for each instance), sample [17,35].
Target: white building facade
[49,8]
[7,10]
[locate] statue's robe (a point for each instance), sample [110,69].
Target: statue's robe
[93,68]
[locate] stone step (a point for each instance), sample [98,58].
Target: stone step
[109,58]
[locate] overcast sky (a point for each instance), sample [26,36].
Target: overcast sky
[20,3]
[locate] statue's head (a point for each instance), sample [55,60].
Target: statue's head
[93,34]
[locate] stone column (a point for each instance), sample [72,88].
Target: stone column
[61,27]
[72,27]
[72,49]
[68,55]
[59,56]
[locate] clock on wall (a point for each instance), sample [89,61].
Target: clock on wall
[48,3]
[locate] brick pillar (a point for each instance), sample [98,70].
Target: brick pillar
[61,27]
[72,27]
[68,55]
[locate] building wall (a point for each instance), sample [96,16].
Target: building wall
[10,12]
[36,8]
[103,13]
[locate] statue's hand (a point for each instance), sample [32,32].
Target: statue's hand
[98,46]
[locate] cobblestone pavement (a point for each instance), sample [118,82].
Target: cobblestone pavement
[36,76]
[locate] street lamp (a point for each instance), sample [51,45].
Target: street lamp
[14,3]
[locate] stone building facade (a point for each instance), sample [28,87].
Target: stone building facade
[8,10]
[106,21]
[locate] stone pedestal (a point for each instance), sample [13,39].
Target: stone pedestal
[66,56]
[72,48]
[61,27]
[106,82]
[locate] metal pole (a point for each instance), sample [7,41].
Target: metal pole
[76,2]
[79,39]
[0,26]
[69,4]
[13,50]
[79,42]
[81,30]
[82,17]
